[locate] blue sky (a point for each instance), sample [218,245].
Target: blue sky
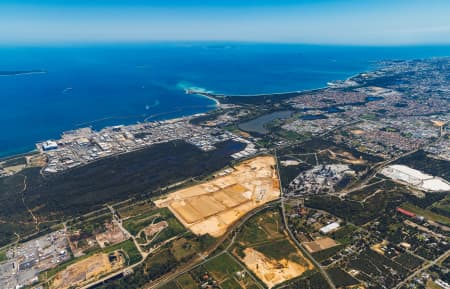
[364,22]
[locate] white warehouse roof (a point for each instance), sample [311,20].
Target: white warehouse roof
[329,228]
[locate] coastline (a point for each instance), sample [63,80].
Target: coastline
[209,95]
[217,102]
[203,93]
[18,154]
[8,154]
[217,96]
[122,86]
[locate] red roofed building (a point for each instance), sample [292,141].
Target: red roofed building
[406,213]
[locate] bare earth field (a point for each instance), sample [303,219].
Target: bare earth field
[86,270]
[113,235]
[211,207]
[319,244]
[153,229]
[272,271]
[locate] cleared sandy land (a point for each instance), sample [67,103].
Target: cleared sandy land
[357,132]
[37,160]
[112,236]
[346,157]
[319,245]
[377,247]
[153,229]
[213,206]
[84,270]
[271,271]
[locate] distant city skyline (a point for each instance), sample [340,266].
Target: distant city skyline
[345,22]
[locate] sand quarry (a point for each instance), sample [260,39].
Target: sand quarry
[211,207]
[77,274]
[271,271]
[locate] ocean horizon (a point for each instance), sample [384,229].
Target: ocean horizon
[102,85]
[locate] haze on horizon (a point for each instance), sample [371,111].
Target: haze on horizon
[347,22]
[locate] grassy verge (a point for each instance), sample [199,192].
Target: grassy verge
[426,213]
[186,281]
[3,256]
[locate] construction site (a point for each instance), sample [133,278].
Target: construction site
[211,207]
[272,271]
[87,270]
[113,235]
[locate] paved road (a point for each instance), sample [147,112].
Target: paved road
[379,166]
[144,254]
[291,235]
[203,258]
[245,269]
[304,251]
[187,267]
[424,267]
[128,234]
[376,169]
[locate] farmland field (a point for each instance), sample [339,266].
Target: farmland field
[185,281]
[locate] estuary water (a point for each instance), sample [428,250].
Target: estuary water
[110,84]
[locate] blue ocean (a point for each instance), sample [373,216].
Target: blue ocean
[102,85]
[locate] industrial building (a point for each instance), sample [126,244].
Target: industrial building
[329,228]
